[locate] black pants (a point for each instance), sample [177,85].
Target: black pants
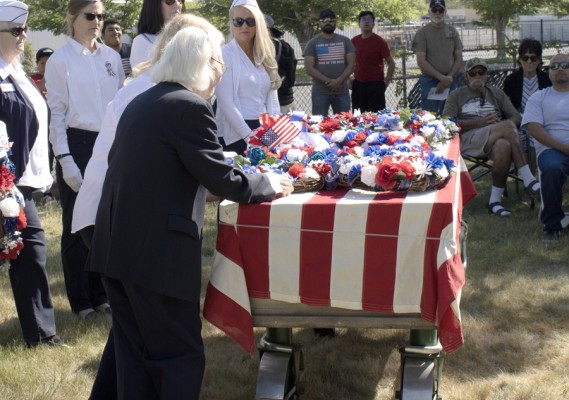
[158,344]
[368,96]
[28,278]
[241,145]
[84,289]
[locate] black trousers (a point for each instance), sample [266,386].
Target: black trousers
[368,96]
[158,344]
[28,278]
[84,289]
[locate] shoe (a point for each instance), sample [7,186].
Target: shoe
[87,313]
[54,341]
[324,332]
[533,189]
[552,236]
[104,308]
[46,199]
[498,209]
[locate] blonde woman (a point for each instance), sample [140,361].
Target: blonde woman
[81,78]
[249,86]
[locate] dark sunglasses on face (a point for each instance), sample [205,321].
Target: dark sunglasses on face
[438,10]
[17,31]
[238,22]
[91,16]
[530,58]
[559,65]
[170,2]
[479,72]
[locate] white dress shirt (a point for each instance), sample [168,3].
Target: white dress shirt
[244,92]
[89,195]
[142,48]
[37,173]
[79,85]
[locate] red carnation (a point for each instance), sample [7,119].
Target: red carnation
[295,170]
[6,178]
[388,174]
[21,220]
[329,125]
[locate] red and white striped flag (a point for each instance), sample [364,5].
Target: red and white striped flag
[283,131]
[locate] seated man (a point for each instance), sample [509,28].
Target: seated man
[546,118]
[489,129]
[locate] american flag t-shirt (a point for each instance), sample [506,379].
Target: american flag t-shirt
[330,53]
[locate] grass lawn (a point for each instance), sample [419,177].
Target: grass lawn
[515,313]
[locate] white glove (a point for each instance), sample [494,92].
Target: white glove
[71,173]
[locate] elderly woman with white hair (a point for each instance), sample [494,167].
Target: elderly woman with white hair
[249,87]
[147,237]
[24,115]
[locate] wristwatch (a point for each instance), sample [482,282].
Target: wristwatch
[59,157]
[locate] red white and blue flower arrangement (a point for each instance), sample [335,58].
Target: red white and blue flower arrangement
[383,151]
[12,216]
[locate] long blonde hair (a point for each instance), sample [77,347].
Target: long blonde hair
[263,46]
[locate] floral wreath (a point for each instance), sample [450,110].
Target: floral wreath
[12,216]
[383,151]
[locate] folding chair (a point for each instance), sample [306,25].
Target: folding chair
[482,166]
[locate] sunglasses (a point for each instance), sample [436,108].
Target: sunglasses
[171,2]
[17,31]
[328,21]
[529,58]
[479,72]
[559,65]
[363,20]
[91,16]
[238,22]
[438,10]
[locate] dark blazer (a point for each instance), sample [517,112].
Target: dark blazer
[514,85]
[164,157]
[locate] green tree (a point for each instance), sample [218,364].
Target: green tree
[50,14]
[498,14]
[28,59]
[301,17]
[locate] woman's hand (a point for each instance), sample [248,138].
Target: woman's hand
[286,187]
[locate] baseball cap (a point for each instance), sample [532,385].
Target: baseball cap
[475,62]
[437,3]
[43,52]
[327,13]
[271,25]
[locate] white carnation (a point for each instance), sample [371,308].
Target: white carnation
[338,136]
[295,155]
[310,173]
[9,207]
[442,173]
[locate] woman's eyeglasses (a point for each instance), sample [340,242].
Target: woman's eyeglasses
[171,2]
[479,72]
[17,31]
[559,65]
[223,67]
[91,16]
[529,58]
[238,22]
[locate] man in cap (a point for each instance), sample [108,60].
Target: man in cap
[438,49]
[287,62]
[547,120]
[329,59]
[370,82]
[42,56]
[489,125]
[112,35]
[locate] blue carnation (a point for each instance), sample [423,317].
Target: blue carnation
[256,155]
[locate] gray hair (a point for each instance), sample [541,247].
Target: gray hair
[186,58]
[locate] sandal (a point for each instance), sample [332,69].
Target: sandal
[498,209]
[531,189]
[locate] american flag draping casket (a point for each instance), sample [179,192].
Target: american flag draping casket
[387,252]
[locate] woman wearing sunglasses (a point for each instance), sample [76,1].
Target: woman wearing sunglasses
[81,78]
[24,116]
[522,83]
[153,16]
[249,86]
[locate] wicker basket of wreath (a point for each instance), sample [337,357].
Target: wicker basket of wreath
[309,178]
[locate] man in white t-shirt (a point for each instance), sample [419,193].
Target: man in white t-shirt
[547,120]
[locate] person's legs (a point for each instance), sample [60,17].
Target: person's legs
[553,171]
[375,95]
[426,83]
[340,102]
[320,104]
[29,281]
[357,98]
[105,384]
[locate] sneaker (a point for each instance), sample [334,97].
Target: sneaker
[87,313]
[104,308]
[46,199]
[551,236]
